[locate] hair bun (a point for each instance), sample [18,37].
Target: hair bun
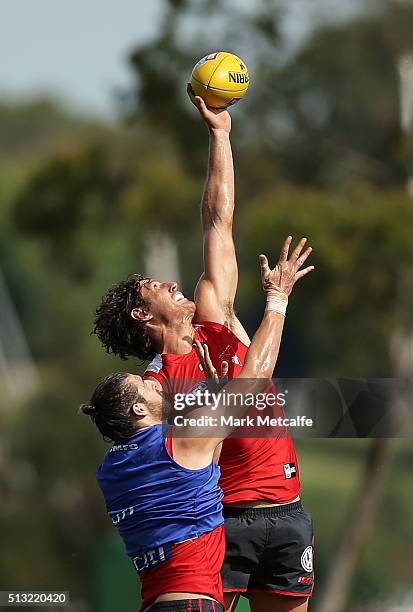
[88,409]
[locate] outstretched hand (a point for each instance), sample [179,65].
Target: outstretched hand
[209,368]
[287,271]
[215,118]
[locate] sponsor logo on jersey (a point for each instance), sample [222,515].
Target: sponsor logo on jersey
[307,559]
[238,77]
[290,471]
[117,516]
[123,447]
[229,353]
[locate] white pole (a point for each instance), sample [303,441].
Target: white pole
[18,373]
[405,68]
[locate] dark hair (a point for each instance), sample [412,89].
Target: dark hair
[116,329]
[110,407]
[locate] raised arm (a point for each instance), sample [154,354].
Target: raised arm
[216,289]
[277,285]
[197,448]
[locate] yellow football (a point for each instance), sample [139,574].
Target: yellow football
[220,78]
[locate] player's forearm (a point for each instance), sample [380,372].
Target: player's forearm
[262,354]
[253,379]
[265,346]
[218,198]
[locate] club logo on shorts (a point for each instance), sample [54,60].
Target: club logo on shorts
[290,471]
[307,559]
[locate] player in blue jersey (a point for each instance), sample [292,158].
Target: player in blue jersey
[161,489]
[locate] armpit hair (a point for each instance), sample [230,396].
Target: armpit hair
[229,313]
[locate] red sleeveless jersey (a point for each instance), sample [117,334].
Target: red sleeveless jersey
[252,469]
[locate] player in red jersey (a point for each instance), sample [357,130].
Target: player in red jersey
[153,320]
[160,482]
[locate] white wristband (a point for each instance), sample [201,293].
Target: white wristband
[277,303]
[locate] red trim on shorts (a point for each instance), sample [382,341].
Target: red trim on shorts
[235,590]
[281,592]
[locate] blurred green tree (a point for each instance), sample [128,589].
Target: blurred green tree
[326,115]
[318,152]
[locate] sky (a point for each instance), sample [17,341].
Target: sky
[78,49]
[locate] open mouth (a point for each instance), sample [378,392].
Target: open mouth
[178,296]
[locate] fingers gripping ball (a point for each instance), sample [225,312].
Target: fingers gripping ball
[220,78]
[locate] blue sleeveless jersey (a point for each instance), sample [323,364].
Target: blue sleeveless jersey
[151,499]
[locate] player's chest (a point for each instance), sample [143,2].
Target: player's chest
[181,376]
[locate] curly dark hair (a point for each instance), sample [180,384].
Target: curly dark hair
[114,326]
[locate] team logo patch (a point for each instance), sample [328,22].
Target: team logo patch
[307,559]
[290,471]
[229,353]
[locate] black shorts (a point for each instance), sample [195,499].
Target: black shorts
[269,549]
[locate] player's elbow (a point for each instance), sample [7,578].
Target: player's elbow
[219,218]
